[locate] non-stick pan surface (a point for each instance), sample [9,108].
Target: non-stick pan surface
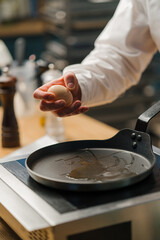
[88,168]
[89,165]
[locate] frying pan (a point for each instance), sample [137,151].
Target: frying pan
[93,165]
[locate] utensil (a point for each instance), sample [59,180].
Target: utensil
[93,165]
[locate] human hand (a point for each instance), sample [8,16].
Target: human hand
[48,102]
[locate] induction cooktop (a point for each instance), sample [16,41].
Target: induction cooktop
[37,212]
[66,201]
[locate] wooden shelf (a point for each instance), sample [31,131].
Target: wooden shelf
[22,28]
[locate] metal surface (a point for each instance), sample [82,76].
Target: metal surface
[145,117]
[90,165]
[123,160]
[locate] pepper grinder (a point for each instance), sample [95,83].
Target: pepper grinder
[10,133]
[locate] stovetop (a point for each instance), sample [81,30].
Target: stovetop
[66,201]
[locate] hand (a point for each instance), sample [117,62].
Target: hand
[48,102]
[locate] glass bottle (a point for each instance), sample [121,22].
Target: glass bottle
[54,126]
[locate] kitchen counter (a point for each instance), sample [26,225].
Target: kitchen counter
[76,128]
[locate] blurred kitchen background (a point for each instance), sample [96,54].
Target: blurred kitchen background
[63,32]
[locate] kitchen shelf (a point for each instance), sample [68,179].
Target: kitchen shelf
[22,28]
[73,26]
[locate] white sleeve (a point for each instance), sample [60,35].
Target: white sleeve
[121,53]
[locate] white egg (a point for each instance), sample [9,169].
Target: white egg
[61,92]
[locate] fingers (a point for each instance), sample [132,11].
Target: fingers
[70,81]
[42,95]
[52,106]
[59,105]
[65,111]
[42,92]
[49,102]
[59,108]
[72,110]
[78,111]
[72,84]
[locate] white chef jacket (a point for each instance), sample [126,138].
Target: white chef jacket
[121,53]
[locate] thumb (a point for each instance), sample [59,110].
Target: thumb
[70,80]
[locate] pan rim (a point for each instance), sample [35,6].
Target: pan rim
[35,175]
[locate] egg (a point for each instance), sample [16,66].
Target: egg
[62,92]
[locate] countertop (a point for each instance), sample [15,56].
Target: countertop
[77,127]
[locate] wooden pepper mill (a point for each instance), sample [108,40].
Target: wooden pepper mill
[10,133]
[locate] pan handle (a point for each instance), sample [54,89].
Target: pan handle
[144,118]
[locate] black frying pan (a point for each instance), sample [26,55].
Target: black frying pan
[88,165]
